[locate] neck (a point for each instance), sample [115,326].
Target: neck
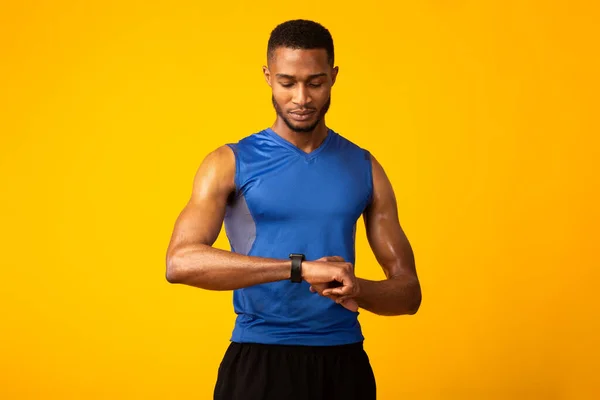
[305,141]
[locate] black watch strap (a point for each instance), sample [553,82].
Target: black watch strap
[296,275]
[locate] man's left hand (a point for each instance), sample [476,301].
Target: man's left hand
[346,301]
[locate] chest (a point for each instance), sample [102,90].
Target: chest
[327,189]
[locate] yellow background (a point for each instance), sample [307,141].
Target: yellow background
[484,115]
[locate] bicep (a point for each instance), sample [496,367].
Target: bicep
[201,219]
[386,237]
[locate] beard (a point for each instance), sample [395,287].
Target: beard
[301,129]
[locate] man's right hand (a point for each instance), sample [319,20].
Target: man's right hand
[332,271]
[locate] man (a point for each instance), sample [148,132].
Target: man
[290,197]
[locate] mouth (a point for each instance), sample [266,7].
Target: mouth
[301,116]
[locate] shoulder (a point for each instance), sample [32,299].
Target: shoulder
[377,173]
[345,144]
[221,163]
[217,165]
[219,157]
[224,164]
[229,151]
[249,147]
[249,140]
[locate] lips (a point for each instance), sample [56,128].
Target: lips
[301,116]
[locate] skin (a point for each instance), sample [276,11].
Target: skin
[301,82]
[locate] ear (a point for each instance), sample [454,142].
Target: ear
[267,74]
[334,73]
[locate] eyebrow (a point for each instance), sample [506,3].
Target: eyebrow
[286,76]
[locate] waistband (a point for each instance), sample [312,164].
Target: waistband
[285,348]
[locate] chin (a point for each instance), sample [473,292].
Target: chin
[307,128]
[303,127]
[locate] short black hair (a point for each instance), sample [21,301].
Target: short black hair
[301,34]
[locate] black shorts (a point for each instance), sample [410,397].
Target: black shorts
[251,371]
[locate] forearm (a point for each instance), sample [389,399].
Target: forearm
[393,296]
[209,268]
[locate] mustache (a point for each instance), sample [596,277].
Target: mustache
[305,109]
[300,110]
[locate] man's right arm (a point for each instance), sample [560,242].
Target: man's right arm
[191,259]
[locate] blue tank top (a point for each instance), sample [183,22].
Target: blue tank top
[288,201]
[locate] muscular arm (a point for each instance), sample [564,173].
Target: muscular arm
[191,259]
[400,293]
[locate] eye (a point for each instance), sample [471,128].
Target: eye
[315,85]
[287,85]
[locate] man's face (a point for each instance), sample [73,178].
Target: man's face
[301,82]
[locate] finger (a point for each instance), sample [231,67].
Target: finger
[338,291]
[337,299]
[347,302]
[326,258]
[341,299]
[347,282]
[318,287]
[331,258]
[333,297]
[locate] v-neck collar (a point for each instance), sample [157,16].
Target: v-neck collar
[296,149]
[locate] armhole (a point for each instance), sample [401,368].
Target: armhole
[369,177]
[236,179]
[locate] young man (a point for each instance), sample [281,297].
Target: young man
[290,197]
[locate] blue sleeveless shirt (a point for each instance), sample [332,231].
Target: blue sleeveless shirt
[288,201]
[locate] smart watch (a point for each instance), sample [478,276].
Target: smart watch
[296,276]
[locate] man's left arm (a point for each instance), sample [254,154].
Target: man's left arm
[400,293]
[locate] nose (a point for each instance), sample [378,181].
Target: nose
[301,96]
